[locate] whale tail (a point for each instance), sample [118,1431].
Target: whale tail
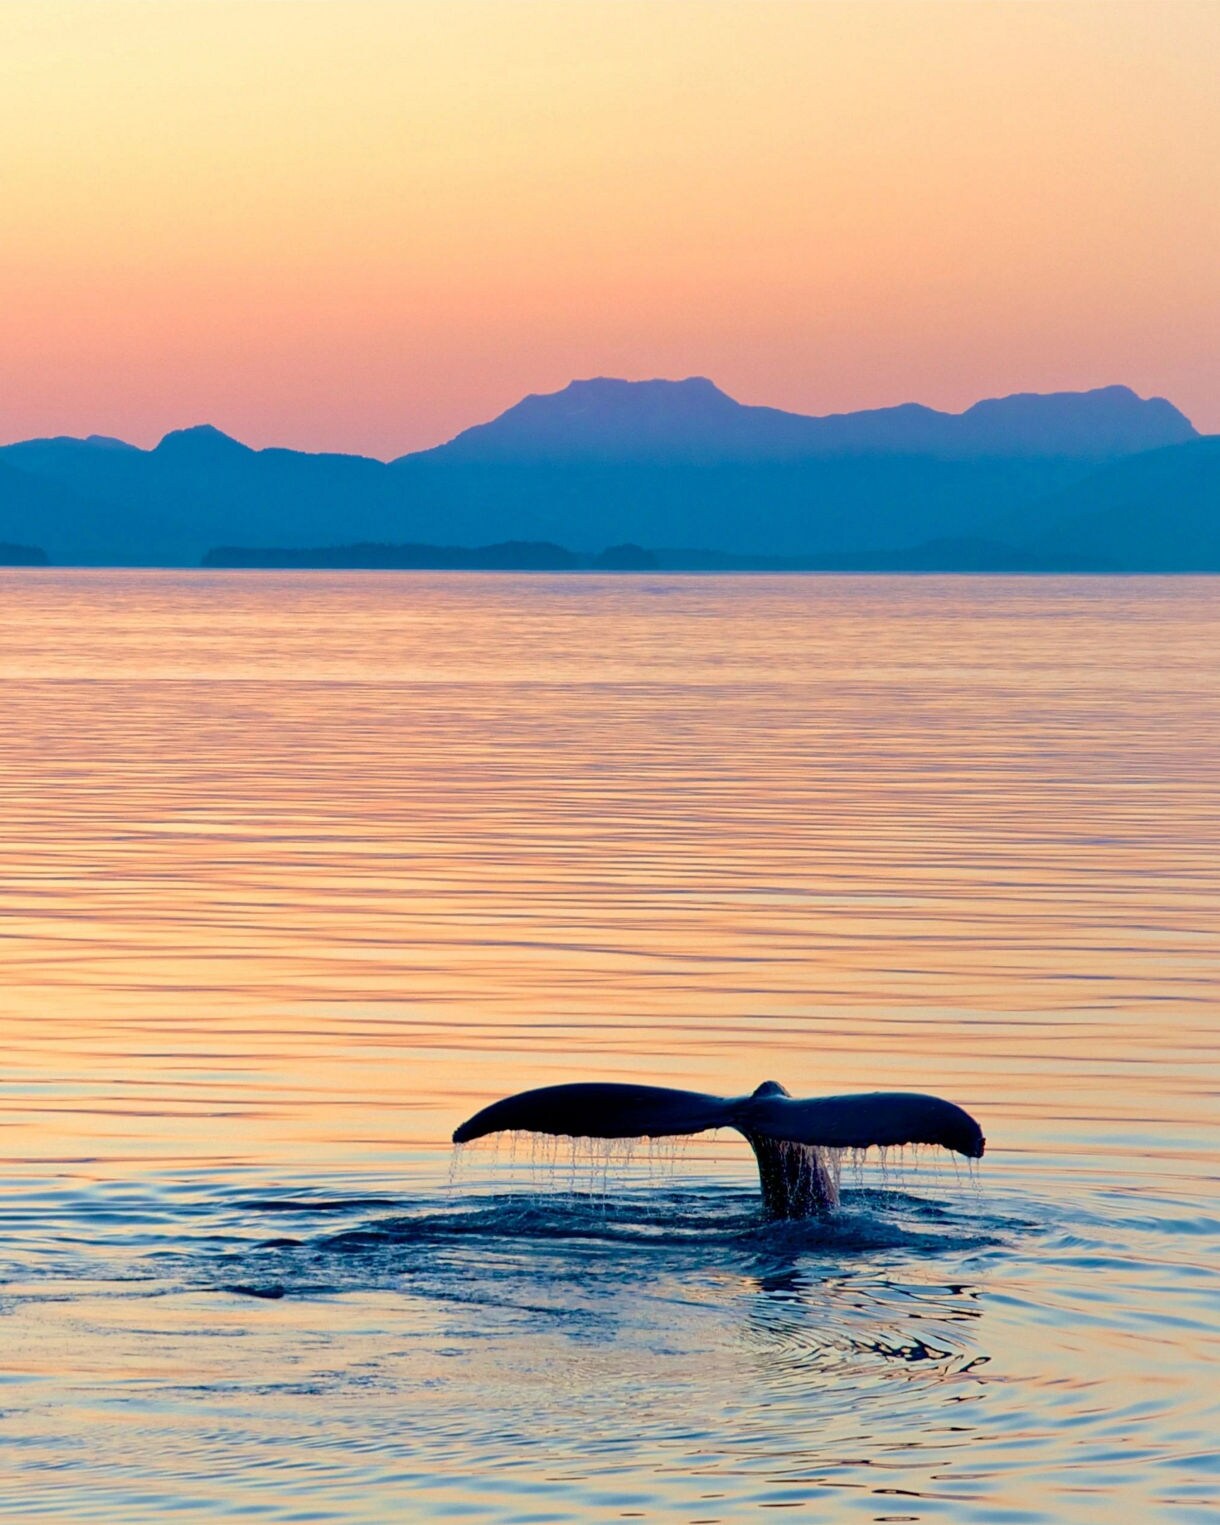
[794,1141]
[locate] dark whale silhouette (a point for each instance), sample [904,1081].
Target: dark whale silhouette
[791,1139]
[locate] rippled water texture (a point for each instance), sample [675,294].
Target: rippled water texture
[298,871]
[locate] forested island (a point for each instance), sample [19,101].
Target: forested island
[21,555]
[948,555]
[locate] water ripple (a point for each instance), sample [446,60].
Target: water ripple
[297,871]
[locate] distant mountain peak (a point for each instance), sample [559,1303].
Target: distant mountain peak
[610,418]
[74,442]
[617,388]
[1102,423]
[199,437]
[606,418]
[615,399]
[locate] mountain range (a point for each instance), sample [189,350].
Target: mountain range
[1101,479]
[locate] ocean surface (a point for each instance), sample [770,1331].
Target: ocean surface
[299,870]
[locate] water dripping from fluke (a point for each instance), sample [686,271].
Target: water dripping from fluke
[799,1145]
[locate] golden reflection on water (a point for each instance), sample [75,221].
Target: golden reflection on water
[340,857]
[297,871]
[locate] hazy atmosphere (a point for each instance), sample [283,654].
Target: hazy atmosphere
[364,227]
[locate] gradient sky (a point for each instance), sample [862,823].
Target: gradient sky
[365,226]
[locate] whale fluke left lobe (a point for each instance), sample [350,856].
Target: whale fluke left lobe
[593,1109]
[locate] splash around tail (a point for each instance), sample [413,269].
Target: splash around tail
[797,1143]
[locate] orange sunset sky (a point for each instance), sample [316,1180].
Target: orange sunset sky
[363,226]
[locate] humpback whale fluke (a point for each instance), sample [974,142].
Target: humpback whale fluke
[790,1137]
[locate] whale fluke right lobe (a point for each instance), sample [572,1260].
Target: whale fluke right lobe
[882,1119]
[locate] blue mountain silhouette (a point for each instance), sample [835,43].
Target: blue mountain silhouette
[607,462]
[694,421]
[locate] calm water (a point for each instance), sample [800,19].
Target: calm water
[297,871]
